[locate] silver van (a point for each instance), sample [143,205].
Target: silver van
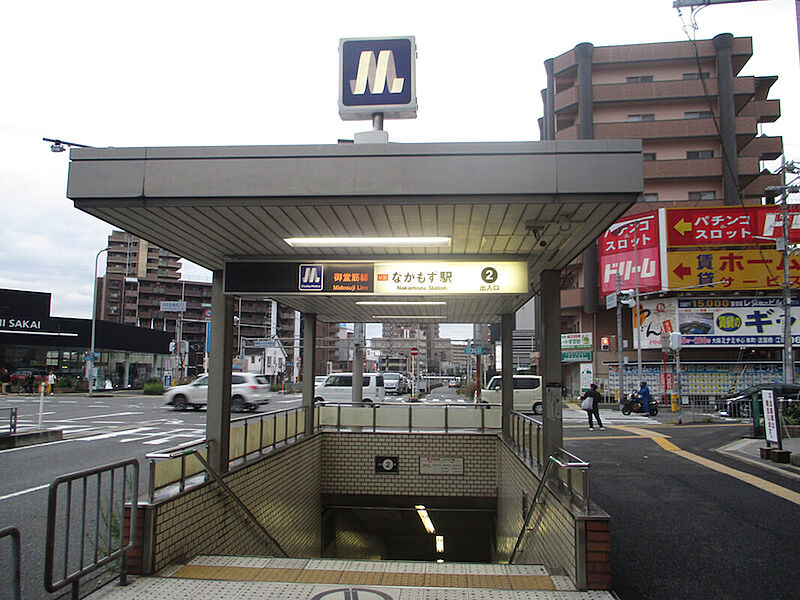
[338,387]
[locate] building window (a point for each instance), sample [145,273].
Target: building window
[648,156]
[639,79]
[651,197]
[693,154]
[702,195]
[698,114]
[703,75]
[642,117]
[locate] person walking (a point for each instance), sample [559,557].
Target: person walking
[591,404]
[645,397]
[5,379]
[28,387]
[51,382]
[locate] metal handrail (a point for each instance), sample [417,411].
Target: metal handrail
[551,462]
[120,549]
[12,418]
[16,589]
[180,450]
[236,499]
[374,406]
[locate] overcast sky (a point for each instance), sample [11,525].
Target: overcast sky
[172,73]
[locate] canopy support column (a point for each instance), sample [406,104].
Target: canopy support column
[507,367]
[218,412]
[309,360]
[552,425]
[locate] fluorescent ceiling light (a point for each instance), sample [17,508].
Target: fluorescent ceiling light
[407,317]
[393,242]
[401,303]
[426,520]
[440,544]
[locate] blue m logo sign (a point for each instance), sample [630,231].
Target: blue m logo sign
[310,278]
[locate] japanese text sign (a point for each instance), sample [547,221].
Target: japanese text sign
[729,226]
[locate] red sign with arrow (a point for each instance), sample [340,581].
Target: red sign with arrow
[729,225]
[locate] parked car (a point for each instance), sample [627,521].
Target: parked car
[338,387]
[527,392]
[248,390]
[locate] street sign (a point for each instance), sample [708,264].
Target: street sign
[473,350]
[207,313]
[414,351]
[264,343]
[205,305]
[730,269]
[576,356]
[176,306]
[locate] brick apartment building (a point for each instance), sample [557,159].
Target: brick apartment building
[699,121]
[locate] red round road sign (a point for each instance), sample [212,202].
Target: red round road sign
[414,351]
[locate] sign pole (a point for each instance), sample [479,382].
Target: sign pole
[620,366]
[788,358]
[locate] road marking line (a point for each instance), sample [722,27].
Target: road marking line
[103,436]
[28,491]
[119,414]
[762,484]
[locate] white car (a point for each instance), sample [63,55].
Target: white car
[338,387]
[527,392]
[247,391]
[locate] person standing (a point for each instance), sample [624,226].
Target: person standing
[594,410]
[51,382]
[29,379]
[5,379]
[645,397]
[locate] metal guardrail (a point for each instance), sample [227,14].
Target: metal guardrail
[12,419]
[527,435]
[109,488]
[553,462]
[410,416]
[250,438]
[16,575]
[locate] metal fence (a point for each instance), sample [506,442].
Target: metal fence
[250,438]
[86,524]
[8,425]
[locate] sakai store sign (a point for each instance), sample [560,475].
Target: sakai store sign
[395,278]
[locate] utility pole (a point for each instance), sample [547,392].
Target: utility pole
[620,365]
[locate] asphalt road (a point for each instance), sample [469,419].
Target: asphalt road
[681,528]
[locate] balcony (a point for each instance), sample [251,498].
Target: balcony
[572,298]
[764,111]
[764,147]
[697,168]
[755,189]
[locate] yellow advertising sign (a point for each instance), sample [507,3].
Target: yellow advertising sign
[730,269]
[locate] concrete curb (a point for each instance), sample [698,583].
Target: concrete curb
[30,438]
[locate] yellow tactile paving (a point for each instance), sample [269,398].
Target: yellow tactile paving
[404,579]
[286,575]
[361,578]
[531,582]
[319,576]
[445,580]
[494,582]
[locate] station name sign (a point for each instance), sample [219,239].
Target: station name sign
[396,278]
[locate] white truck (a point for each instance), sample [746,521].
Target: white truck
[527,392]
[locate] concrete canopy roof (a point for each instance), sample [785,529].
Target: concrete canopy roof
[541,202]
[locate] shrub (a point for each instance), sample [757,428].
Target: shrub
[153,388]
[791,413]
[65,382]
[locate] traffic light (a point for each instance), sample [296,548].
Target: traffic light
[605,343]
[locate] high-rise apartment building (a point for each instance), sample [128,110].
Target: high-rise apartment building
[139,276]
[699,120]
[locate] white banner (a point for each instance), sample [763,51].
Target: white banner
[770,416]
[716,322]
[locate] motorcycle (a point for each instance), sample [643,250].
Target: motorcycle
[634,404]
